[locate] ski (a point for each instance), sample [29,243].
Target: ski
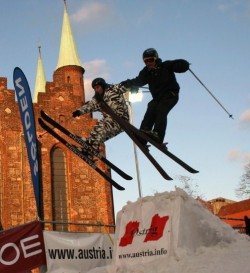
[131,130]
[144,149]
[78,153]
[134,137]
[85,146]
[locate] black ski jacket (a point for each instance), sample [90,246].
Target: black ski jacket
[161,80]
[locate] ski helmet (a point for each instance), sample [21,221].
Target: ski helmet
[99,81]
[150,52]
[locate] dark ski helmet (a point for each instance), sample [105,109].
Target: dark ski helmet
[149,53]
[99,81]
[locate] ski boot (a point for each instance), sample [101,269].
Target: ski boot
[152,134]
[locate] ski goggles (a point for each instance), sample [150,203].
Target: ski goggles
[149,60]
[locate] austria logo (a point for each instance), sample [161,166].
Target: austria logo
[153,233]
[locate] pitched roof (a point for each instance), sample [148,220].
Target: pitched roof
[235,208]
[221,199]
[205,204]
[68,54]
[40,77]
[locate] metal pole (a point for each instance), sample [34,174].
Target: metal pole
[135,153]
[230,115]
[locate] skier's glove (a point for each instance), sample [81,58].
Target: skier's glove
[134,89]
[76,113]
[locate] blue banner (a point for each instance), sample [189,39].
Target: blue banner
[27,116]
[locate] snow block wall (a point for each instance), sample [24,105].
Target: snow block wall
[198,227]
[165,225]
[173,233]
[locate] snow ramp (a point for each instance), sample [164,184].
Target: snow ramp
[171,232]
[155,227]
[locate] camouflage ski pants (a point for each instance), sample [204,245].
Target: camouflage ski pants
[104,130]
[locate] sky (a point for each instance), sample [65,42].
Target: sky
[213,36]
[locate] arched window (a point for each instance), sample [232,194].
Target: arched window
[59,189]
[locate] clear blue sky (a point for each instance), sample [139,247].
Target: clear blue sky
[111,36]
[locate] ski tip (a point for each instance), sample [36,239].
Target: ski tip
[42,112]
[118,187]
[125,176]
[129,177]
[166,176]
[190,169]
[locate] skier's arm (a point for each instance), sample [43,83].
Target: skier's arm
[138,81]
[120,88]
[91,106]
[177,66]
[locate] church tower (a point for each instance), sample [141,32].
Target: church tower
[72,192]
[40,77]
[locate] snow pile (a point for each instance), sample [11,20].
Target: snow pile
[200,242]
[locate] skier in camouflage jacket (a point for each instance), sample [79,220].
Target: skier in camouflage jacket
[106,128]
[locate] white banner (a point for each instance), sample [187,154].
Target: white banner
[76,252]
[142,233]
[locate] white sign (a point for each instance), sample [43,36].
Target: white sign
[76,252]
[142,233]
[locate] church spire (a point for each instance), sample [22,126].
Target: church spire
[68,54]
[40,77]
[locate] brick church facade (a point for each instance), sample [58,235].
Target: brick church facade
[71,191]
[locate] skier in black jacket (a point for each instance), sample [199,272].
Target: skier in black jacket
[160,77]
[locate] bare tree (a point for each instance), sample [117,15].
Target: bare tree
[243,189]
[189,186]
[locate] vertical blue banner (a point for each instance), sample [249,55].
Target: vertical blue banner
[27,116]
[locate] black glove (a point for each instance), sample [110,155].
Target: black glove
[134,89]
[76,113]
[180,66]
[126,83]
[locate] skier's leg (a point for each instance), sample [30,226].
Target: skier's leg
[104,130]
[165,105]
[149,117]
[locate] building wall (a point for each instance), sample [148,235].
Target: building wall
[89,196]
[218,203]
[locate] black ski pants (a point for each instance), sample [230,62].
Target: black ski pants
[155,117]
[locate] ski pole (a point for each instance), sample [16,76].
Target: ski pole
[230,115]
[44,133]
[143,87]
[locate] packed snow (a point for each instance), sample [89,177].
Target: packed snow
[204,244]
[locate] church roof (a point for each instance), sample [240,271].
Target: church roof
[40,77]
[68,54]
